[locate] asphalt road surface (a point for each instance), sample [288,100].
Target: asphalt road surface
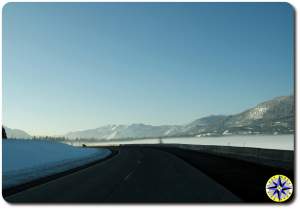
[134,175]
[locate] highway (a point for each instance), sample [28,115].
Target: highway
[138,174]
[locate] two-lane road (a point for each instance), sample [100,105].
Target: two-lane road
[135,174]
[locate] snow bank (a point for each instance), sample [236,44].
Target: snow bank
[26,160]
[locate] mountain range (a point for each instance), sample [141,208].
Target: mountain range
[16,134]
[275,116]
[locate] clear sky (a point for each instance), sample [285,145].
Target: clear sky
[76,66]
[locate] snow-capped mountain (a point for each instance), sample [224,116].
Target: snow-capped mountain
[271,117]
[124,132]
[16,134]
[278,108]
[275,116]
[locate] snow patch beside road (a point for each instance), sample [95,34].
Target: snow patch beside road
[27,160]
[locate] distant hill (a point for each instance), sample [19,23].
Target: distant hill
[124,131]
[275,116]
[16,134]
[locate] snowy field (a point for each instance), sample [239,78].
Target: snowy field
[26,160]
[281,142]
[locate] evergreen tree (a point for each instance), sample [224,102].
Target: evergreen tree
[3,133]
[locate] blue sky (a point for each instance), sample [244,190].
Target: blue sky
[76,66]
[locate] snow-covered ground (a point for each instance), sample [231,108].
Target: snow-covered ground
[114,143]
[281,142]
[26,160]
